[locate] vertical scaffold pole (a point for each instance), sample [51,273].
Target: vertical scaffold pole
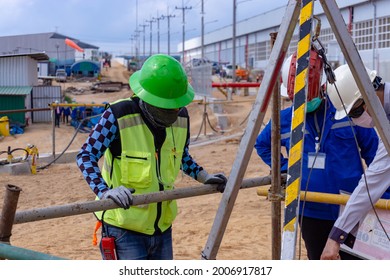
[275,196]
[289,235]
[254,123]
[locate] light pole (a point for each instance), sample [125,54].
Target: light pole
[58,57]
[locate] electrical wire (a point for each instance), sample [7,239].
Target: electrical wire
[70,143]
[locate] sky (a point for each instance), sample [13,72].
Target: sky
[111,24]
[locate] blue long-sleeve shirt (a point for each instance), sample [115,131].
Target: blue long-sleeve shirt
[342,165]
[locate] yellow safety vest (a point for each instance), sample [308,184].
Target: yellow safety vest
[141,167]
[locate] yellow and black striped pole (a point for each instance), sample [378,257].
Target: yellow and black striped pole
[297,132]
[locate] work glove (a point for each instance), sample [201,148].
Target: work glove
[121,195]
[217,178]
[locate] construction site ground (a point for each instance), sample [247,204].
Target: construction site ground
[248,234]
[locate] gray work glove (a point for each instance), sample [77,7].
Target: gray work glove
[120,195]
[217,178]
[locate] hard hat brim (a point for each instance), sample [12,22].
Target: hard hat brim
[340,114]
[283,91]
[166,103]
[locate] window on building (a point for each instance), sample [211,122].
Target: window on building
[362,34]
[383,33]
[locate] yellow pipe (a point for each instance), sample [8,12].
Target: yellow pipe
[340,199]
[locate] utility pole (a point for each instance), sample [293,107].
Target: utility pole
[150,34]
[136,33]
[234,43]
[202,23]
[143,30]
[184,22]
[168,16]
[132,39]
[158,31]
[137,43]
[203,27]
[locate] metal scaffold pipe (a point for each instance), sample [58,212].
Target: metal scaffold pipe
[340,199]
[106,204]
[16,253]
[8,212]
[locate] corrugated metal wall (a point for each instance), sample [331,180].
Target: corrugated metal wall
[54,48]
[12,102]
[42,96]
[18,71]
[52,44]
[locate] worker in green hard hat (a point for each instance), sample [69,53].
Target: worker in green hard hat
[145,143]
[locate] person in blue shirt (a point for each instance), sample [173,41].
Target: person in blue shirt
[330,162]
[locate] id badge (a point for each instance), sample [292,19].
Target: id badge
[319,162]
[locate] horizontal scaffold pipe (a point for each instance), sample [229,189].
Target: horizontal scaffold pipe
[340,199]
[106,204]
[16,253]
[77,105]
[5,112]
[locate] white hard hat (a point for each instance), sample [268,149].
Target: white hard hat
[285,70]
[347,88]
[285,75]
[283,90]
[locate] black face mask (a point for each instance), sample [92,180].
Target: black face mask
[163,117]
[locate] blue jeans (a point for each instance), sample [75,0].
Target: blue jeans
[136,246]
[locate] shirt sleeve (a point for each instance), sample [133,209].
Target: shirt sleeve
[359,204]
[100,138]
[188,164]
[368,142]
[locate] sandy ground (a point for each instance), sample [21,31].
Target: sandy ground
[248,233]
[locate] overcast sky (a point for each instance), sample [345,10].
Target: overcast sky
[109,24]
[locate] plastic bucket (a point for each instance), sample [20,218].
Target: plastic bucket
[4,126]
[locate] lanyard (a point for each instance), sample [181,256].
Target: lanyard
[318,137]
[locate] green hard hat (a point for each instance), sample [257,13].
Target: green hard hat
[162,82]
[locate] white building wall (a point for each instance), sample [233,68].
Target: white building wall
[87,54]
[43,69]
[18,71]
[259,28]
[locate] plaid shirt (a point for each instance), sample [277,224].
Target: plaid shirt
[100,138]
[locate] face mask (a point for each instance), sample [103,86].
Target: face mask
[164,117]
[364,120]
[313,105]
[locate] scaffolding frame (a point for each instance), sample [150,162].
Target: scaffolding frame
[256,117]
